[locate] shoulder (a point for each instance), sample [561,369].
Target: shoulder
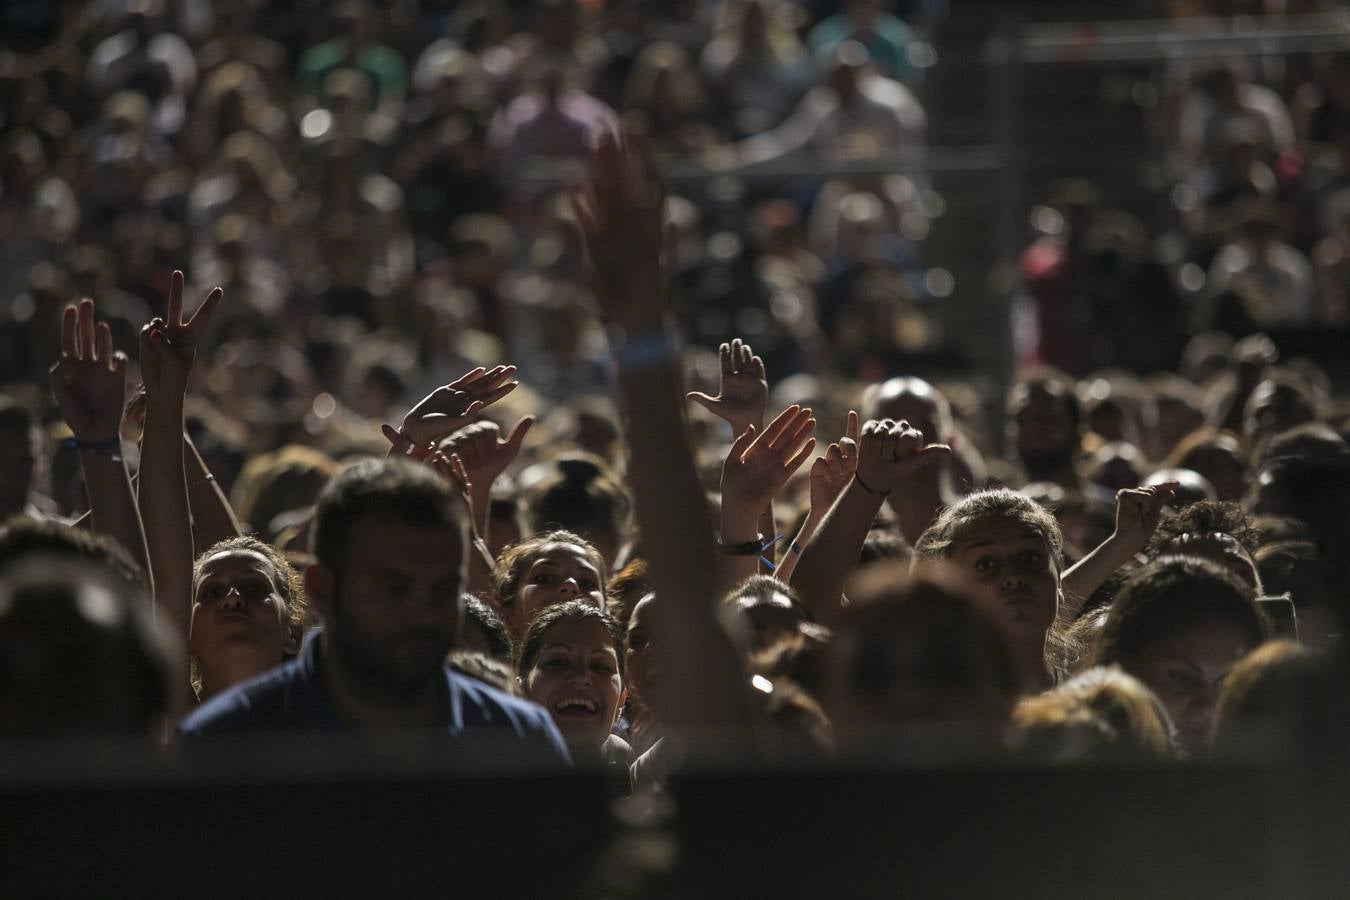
[483,704]
[483,707]
[264,703]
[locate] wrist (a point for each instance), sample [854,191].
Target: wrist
[871,487]
[738,528]
[1123,546]
[109,448]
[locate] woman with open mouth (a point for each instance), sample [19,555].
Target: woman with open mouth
[572,663]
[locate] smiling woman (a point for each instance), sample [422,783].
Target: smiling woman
[572,663]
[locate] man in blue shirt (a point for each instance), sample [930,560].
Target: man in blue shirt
[391,543]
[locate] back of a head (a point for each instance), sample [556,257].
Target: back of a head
[1264,699]
[22,536]
[279,482]
[397,488]
[581,495]
[1169,596]
[1101,715]
[80,652]
[919,663]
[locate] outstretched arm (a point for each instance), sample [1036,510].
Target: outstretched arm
[1137,514]
[89,381]
[621,218]
[830,474]
[889,454]
[168,348]
[756,468]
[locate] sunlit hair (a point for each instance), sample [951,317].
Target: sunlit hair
[516,560]
[1255,716]
[1000,504]
[1100,715]
[278,482]
[571,611]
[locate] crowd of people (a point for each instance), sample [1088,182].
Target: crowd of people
[299,225]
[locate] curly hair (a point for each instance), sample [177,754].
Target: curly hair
[1205,517]
[571,611]
[288,580]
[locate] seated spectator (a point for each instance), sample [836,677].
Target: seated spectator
[756,65]
[1282,272]
[855,114]
[887,39]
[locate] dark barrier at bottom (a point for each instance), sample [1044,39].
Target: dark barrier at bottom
[945,833]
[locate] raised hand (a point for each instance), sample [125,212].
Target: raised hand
[892,452]
[450,407]
[482,450]
[89,379]
[621,217]
[451,468]
[169,346]
[742,392]
[830,473]
[760,463]
[1138,511]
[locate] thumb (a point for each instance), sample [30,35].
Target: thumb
[703,400]
[934,453]
[399,440]
[517,435]
[742,443]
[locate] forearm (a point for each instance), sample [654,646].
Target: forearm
[739,526]
[112,504]
[1091,572]
[480,567]
[163,497]
[769,528]
[680,550]
[212,518]
[480,502]
[830,556]
[790,558]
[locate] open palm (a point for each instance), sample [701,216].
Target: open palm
[89,379]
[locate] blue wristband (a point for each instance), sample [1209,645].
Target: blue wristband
[648,350]
[110,447]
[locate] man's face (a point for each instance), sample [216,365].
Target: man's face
[396,602]
[1044,432]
